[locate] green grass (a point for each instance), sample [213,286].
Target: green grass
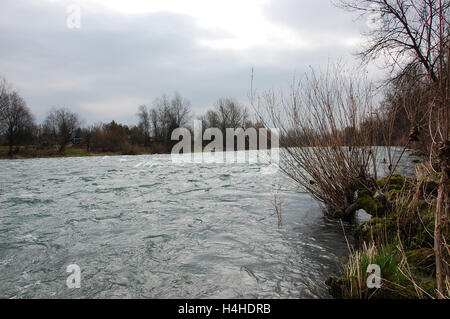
[31,151]
[388,259]
[400,241]
[76,152]
[394,271]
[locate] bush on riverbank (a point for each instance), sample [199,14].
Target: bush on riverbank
[329,135]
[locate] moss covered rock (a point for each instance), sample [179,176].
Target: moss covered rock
[378,229]
[373,203]
[415,229]
[397,222]
[392,194]
[397,181]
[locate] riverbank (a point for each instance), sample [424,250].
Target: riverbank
[51,152]
[399,238]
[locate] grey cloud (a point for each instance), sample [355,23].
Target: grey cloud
[314,16]
[116,62]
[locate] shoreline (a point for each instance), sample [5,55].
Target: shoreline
[26,154]
[397,238]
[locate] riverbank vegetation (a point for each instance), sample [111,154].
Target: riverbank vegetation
[413,220]
[400,238]
[62,132]
[334,111]
[329,133]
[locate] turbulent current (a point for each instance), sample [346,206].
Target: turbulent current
[144,227]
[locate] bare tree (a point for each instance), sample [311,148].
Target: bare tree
[227,114]
[15,117]
[210,119]
[408,31]
[179,111]
[62,123]
[156,124]
[3,95]
[144,122]
[167,115]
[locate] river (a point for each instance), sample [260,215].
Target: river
[144,227]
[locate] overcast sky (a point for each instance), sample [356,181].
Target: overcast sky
[129,52]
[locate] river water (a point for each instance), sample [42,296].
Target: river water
[144,227]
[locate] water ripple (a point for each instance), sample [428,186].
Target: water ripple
[159,231]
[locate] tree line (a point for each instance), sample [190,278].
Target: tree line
[402,105]
[152,133]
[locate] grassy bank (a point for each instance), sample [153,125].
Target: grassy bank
[39,152]
[399,238]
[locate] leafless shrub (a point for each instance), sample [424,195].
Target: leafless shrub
[328,135]
[111,137]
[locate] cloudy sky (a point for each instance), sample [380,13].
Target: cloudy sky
[129,52]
